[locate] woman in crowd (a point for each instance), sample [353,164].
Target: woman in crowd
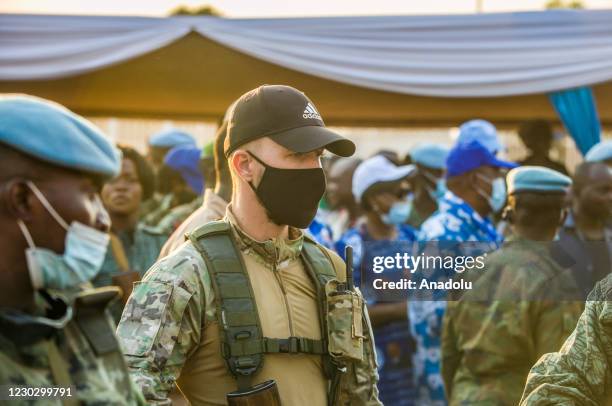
[134,247]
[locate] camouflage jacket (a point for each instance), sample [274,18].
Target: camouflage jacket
[64,348]
[488,346]
[581,372]
[170,331]
[178,214]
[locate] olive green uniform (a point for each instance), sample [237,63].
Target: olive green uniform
[488,346]
[580,373]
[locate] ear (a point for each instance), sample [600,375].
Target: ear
[16,199]
[243,165]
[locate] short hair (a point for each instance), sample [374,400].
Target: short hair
[540,210]
[146,176]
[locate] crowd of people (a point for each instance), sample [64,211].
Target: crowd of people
[150,279]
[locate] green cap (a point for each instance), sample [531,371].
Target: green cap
[537,179]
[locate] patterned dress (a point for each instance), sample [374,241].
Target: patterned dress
[456,229]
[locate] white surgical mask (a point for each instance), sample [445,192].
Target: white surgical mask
[399,212]
[85,249]
[498,196]
[440,190]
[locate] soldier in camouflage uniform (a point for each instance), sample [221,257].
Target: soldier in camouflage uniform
[53,241]
[581,372]
[243,290]
[518,308]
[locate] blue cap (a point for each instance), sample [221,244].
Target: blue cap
[430,155]
[171,138]
[481,131]
[537,179]
[602,151]
[186,161]
[51,133]
[467,157]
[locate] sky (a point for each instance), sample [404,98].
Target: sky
[277,8]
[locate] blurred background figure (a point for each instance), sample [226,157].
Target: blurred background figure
[207,165]
[158,146]
[601,152]
[133,247]
[161,143]
[380,187]
[537,136]
[391,155]
[483,132]
[215,200]
[476,190]
[428,184]
[343,211]
[179,182]
[587,233]
[187,161]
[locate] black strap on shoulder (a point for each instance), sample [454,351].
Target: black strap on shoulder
[92,319]
[234,299]
[242,341]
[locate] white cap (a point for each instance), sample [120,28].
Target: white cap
[377,169]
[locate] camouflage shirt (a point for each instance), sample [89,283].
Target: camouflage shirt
[178,214]
[488,346]
[55,349]
[170,330]
[581,372]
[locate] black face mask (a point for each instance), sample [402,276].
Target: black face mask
[290,196]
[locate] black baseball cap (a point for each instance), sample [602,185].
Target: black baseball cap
[285,115]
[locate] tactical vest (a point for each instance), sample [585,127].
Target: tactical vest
[242,342]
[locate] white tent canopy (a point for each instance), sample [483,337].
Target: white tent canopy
[446,56]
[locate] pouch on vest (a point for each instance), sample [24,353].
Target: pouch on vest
[344,323]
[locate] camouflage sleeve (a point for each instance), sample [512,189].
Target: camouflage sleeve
[581,371]
[450,356]
[358,386]
[162,322]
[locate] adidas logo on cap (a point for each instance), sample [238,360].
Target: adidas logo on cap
[311,112]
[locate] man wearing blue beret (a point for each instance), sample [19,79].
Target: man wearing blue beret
[428,184]
[162,142]
[54,238]
[186,161]
[523,304]
[179,182]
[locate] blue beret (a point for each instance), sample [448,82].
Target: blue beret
[51,133]
[600,152]
[481,131]
[537,179]
[171,138]
[430,155]
[186,161]
[467,157]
